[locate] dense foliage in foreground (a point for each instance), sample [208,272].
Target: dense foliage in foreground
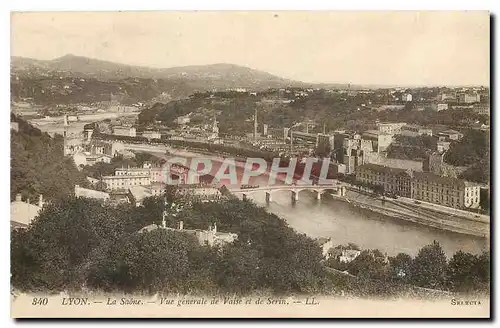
[79,243]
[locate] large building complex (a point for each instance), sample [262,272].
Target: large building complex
[393,180]
[424,186]
[445,191]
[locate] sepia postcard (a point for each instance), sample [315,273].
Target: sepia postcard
[250,164]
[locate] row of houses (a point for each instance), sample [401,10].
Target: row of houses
[424,186]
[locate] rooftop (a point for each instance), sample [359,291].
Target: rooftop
[139,192]
[428,176]
[22,212]
[383,169]
[126,177]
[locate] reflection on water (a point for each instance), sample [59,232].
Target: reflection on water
[345,223]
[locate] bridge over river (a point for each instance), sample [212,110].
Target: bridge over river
[295,189]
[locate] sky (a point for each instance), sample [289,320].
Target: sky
[381,48]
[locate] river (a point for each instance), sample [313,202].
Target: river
[345,223]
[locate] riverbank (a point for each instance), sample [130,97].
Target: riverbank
[429,215]
[399,209]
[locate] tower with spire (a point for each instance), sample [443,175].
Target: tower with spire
[215,126]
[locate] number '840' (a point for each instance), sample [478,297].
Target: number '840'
[40,301]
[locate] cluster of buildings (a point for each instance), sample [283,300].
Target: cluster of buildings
[351,149]
[210,237]
[423,186]
[341,254]
[134,184]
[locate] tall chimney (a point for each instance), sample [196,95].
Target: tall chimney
[19,198]
[255,124]
[181,225]
[40,201]
[215,227]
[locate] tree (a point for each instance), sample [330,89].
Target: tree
[472,147]
[239,270]
[400,266]
[483,271]
[369,264]
[156,261]
[38,166]
[58,242]
[429,267]
[461,272]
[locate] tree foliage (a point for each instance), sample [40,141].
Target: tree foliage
[38,166]
[429,267]
[473,147]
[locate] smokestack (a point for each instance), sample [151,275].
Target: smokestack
[215,227]
[40,201]
[19,198]
[255,124]
[181,225]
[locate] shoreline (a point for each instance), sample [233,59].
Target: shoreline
[406,212]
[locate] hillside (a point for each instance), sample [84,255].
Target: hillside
[38,165]
[205,76]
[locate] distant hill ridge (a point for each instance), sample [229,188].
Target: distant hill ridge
[220,75]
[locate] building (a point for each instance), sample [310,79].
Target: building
[23,213]
[124,182]
[451,192]
[450,135]
[468,98]
[407,97]
[398,163]
[136,194]
[90,193]
[93,159]
[124,131]
[14,126]
[210,237]
[151,135]
[311,138]
[442,146]
[482,109]
[380,140]
[326,138]
[181,120]
[326,244]
[156,174]
[157,188]
[439,107]
[412,130]
[348,255]
[382,108]
[349,150]
[200,191]
[394,181]
[446,96]
[344,255]
[390,128]
[73,145]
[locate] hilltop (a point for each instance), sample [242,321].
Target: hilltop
[221,75]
